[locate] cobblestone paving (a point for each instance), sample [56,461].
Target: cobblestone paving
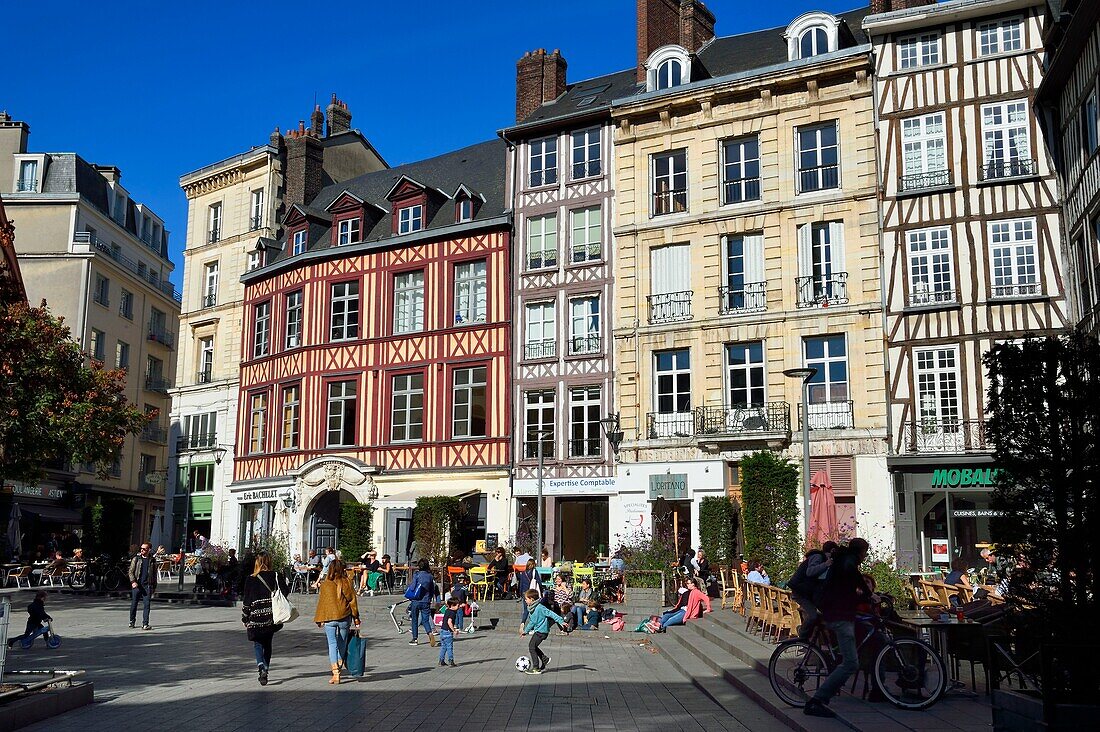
[195,672]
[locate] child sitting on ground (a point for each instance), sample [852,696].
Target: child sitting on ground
[38,616]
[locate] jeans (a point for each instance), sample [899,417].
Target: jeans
[262,647]
[336,632]
[810,614]
[142,592]
[459,614]
[538,658]
[421,617]
[845,632]
[676,618]
[580,611]
[592,622]
[446,646]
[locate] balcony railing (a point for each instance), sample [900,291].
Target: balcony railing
[924,296]
[822,291]
[155,433]
[85,237]
[661,425]
[214,235]
[667,202]
[255,222]
[752,297]
[144,485]
[205,376]
[197,441]
[26,185]
[161,335]
[582,344]
[209,300]
[157,383]
[542,260]
[587,252]
[531,449]
[924,181]
[998,169]
[742,189]
[540,349]
[544,177]
[1023,289]
[829,416]
[588,448]
[588,169]
[950,435]
[670,307]
[819,178]
[743,420]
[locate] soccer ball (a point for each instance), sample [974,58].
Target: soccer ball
[523,663]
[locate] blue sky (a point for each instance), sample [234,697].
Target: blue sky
[160,89]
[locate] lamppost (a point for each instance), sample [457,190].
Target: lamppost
[540,435]
[219,453]
[805,373]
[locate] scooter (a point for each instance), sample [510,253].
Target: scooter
[52,639]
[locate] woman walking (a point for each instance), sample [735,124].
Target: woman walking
[337,610]
[256,610]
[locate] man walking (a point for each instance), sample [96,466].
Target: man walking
[143,582]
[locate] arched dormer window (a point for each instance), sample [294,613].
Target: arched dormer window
[812,34]
[668,67]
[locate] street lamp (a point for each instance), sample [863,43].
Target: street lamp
[612,430]
[540,435]
[219,453]
[805,373]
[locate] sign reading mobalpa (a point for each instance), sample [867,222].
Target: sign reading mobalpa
[953,477]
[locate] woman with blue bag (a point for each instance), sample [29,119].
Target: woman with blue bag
[421,592]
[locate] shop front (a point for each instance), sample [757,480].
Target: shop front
[255,516]
[47,513]
[659,497]
[576,515]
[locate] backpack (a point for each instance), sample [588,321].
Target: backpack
[801,583]
[281,609]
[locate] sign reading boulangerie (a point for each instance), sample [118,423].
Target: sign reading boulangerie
[671,487]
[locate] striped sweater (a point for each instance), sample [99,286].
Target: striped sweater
[256,600]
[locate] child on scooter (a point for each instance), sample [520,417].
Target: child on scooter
[38,615]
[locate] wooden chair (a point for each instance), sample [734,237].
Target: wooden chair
[966,594]
[728,590]
[940,592]
[164,570]
[772,609]
[20,576]
[920,599]
[53,576]
[753,616]
[790,616]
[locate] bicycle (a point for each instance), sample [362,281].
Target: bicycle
[907,671]
[99,573]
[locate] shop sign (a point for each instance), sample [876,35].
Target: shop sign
[255,496]
[33,491]
[958,477]
[567,486]
[940,553]
[671,487]
[976,513]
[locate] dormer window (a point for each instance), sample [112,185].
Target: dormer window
[255,260]
[813,42]
[28,176]
[410,219]
[668,67]
[299,245]
[465,211]
[812,34]
[348,231]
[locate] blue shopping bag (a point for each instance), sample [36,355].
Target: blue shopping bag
[357,654]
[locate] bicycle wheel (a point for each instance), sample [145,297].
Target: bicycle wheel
[78,579]
[796,670]
[114,580]
[910,674]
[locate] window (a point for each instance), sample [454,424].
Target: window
[741,170]
[1007,140]
[122,355]
[540,339]
[1088,126]
[829,407]
[672,394]
[408,302]
[120,208]
[291,417]
[1001,36]
[818,158]
[539,425]
[937,374]
[210,286]
[257,422]
[585,433]
[102,293]
[542,158]
[1013,258]
[916,51]
[408,408]
[670,272]
[410,219]
[745,374]
[344,311]
[1083,275]
[200,430]
[924,152]
[813,42]
[931,275]
[126,304]
[746,290]
[293,336]
[299,242]
[98,344]
[471,292]
[154,367]
[586,239]
[147,465]
[586,153]
[822,280]
[669,182]
[206,360]
[469,402]
[261,332]
[542,242]
[256,219]
[255,260]
[28,176]
[465,210]
[214,223]
[341,414]
[349,231]
[670,73]
[584,325]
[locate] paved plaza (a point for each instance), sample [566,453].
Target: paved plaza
[195,671]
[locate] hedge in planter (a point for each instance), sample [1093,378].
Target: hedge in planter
[435,521]
[355,530]
[769,513]
[718,529]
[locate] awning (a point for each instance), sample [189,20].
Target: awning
[52,514]
[409,497]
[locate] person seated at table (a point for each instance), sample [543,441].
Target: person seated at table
[957,576]
[385,568]
[547,562]
[78,556]
[618,563]
[563,594]
[368,578]
[500,569]
[161,553]
[757,573]
[521,560]
[313,561]
[58,564]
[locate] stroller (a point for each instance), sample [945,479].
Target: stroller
[53,640]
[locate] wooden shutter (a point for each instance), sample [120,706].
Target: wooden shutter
[805,251]
[754,258]
[839,470]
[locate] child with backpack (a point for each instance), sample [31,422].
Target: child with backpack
[538,626]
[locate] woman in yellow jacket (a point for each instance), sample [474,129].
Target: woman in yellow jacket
[337,609]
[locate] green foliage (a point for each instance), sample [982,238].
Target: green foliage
[881,565]
[276,544]
[355,530]
[718,529]
[769,513]
[654,552]
[435,521]
[117,521]
[93,529]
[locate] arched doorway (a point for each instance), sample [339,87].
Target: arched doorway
[322,527]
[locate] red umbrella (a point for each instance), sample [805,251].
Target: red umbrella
[823,524]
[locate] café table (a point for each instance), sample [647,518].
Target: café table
[938,633]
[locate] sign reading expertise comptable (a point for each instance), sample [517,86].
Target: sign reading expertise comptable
[671,487]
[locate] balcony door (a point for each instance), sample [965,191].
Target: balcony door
[822,278]
[939,427]
[745,289]
[670,279]
[829,404]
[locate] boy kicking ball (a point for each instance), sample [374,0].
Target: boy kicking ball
[538,625]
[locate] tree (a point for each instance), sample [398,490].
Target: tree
[769,512]
[355,527]
[435,521]
[718,529]
[54,407]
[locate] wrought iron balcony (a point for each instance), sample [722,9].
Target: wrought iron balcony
[950,435]
[670,307]
[1022,289]
[741,190]
[155,432]
[924,181]
[587,448]
[209,300]
[157,383]
[925,296]
[205,376]
[214,235]
[542,260]
[752,297]
[197,441]
[743,421]
[161,335]
[668,202]
[86,237]
[255,222]
[998,169]
[819,178]
[822,291]
[535,350]
[544,177]
[587,252]
[829,415]
[582,344]
[660,425]
[26,185]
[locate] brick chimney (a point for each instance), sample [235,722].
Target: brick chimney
[885,6]
[687,23]
[317,121]
[540,78]
[339,118]
[305,158]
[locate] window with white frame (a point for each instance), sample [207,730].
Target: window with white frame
[122,355]
[539,427]
[540,330]
[672,394]
[28,176]
[257,422]
[917,51]
[924,152]
[344,311]
[1013,258]
[818,157]
[291,417]
[470,402]
[408,302]
[255,260]
[741,170]
[256,217]
[465,210]
[829,405]
[210,285]
[340,431]
[586,153]
[931,273]
[1000,36]
[667,67]
[822,279]
[408,408]
[102,292]
[299,239]
[745,381]
[542,161]
[670,73]
[585,433]
[410,219]
[542,241]
[813,42]
[261,329]
[746,289]
[669,183]
[293,335]
[98,345]
[937,377]
[206,360]
[670,283]
[214,223]
[471,292]
[586,234]
[584,324]
[1007,140]
[349,231]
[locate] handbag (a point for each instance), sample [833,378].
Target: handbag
[281,609]
[415,592]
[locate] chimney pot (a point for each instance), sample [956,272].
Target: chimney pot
[540,78]
[339,117]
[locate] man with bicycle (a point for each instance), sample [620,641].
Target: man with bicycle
[843,591]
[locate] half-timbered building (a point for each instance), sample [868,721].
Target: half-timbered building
[971,246]
[376,352]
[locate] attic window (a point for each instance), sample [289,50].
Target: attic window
[813,42]
[668,67]
[255,260]
[465,210]
[587,101]
[591,94]
[299,242]
[410,219]
[349,232]
[811,34]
